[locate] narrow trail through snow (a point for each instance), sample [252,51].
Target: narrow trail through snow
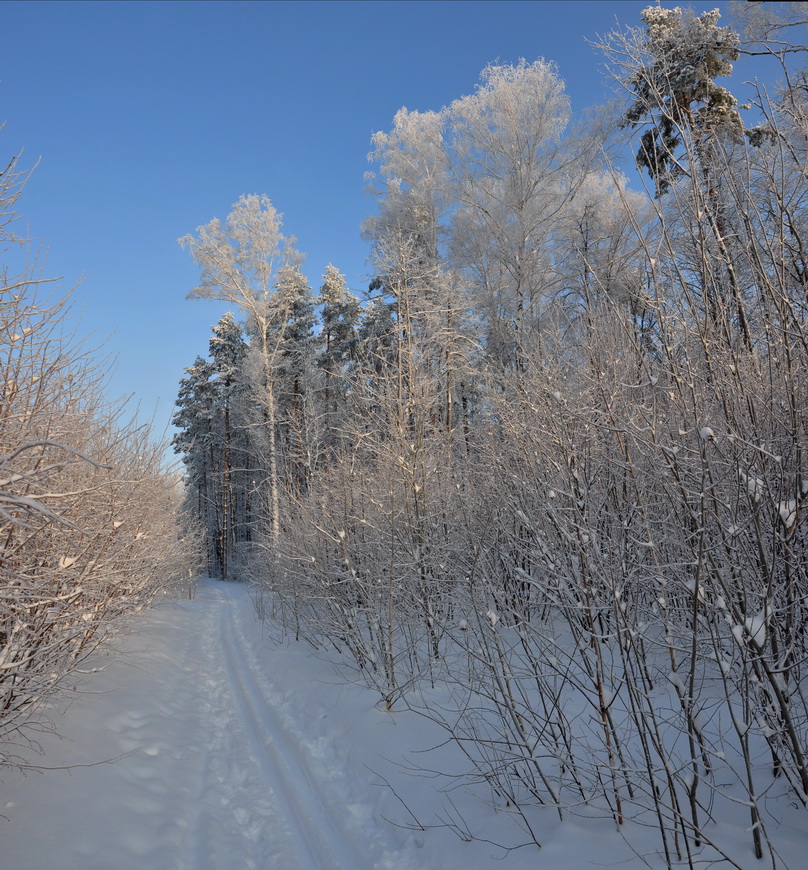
[312,825]
[238,753]
[223,772]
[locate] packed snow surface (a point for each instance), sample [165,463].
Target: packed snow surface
[204,744]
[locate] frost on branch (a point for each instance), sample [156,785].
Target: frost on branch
[71,464]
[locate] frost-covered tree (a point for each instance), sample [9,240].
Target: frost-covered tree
[599,254]
[477,190]
[674,89]
[339,339]
[239,262]
[228,352]
[513,172]
[412,186]
[292,318]
[779,30]
[196,441]
[89,527]
[691,126]
[213,440]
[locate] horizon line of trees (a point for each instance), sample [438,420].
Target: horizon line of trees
[546,484]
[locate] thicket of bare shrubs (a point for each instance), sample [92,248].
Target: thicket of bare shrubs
[88,512]
[561,507]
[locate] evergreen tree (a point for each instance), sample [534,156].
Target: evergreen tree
[377,332]
[195,440]
[228,351]
[292,316]
[691,124]
[214,441]
[338,346]
[675,89]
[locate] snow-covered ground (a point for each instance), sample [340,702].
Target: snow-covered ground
[235,752]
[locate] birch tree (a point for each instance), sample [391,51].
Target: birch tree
[239,262]
[514,167]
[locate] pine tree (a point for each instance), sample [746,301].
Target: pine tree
[195,442]
[675,89]
[213,419]
[228,351]
[377,332]
[292,316]
[338,346]
[691,121]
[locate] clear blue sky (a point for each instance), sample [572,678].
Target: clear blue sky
[151,118]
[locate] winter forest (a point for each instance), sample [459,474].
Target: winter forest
[544,480]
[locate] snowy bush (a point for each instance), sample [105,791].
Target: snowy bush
[88,512]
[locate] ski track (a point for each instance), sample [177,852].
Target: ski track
[311,822]
[222,771]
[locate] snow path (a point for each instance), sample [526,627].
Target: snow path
[240,753]
[315,830]
[227,768]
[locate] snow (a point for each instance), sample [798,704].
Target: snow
[754,628]
[788,512]
[754,486]
[206,744]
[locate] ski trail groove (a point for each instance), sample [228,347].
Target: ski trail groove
[282,767]
[195,844]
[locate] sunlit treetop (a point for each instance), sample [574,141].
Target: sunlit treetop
[673,82]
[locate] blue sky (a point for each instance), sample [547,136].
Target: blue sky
[151,118]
